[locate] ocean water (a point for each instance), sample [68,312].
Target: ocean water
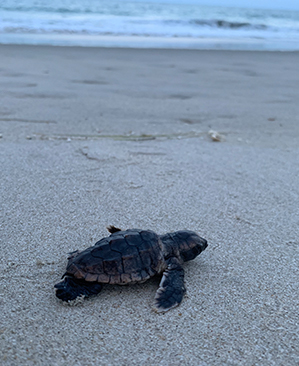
[146,24]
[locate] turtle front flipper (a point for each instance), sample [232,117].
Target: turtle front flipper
[71,288]
[172,288]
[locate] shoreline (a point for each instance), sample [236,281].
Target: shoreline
[150,42]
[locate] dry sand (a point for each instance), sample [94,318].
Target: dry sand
[93,137]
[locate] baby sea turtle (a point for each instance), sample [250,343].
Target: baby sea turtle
[132,256]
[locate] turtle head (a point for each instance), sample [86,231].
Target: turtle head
[189,244]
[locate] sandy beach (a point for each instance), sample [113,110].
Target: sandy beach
[92,137]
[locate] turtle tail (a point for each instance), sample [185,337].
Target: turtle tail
[71,288]
[112,229]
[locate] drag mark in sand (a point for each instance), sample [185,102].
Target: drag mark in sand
[14,74]
[26,120]
[189,121]
[84,153]
[90,82]
[40,95]
[180,96]
[129,137]
[147,153]
[191,71]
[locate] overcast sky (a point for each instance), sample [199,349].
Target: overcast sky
[268,4]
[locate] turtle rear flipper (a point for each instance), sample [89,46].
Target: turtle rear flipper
[172,288]
[71,288]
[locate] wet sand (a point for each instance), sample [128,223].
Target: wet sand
[93,137]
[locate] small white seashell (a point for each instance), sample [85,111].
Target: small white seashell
[215,135]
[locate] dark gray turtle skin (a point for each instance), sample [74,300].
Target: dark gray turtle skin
[131,256]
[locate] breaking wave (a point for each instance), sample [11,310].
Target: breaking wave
[228,25]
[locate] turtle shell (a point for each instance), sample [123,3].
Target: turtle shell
[123,257]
